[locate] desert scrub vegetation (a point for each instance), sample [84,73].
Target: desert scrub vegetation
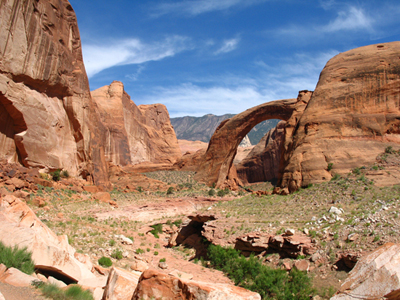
[13,257]
[105,262]
[73,292]
[251,274]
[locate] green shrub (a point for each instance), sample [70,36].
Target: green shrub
[105,262]
[56,175]
[170,190]
[211,192]
[65,174]
[335,177]
[157,228]
[222,193]
[139,251]
[13,257]
[389,149]
[356,171]
[330,166]
[74,292]
[139,189]
[111,242]
[251,274]
[117,254]
[163,260]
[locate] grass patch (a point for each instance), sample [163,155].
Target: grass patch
[13,257]
[74,292]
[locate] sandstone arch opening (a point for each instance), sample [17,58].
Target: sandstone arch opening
[216,166]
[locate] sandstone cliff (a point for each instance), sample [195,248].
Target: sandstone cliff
[48,118]
[353,115]
[135,134]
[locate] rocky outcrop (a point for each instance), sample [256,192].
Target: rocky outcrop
[217,162]
[263,162]
[135,134]
[375,276]
[51,254]
[48,118]
[121,284]
[156,285]
[353,115]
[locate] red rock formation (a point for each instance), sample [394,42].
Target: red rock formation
[353,115]
[263,162]
[135,134]
[217,162]
[375,276]
[48,118]
[156,285]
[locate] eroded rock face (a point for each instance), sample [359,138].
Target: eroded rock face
[156,285]
[353,115]
[217,162]
[48,118]
[135,134]
[50,253]
[263,162]
[375,276]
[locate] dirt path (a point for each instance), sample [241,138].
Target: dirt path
[11,292]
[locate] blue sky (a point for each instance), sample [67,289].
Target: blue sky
[223,56]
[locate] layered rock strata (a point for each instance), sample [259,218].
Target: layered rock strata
[135,134]
[48,118]
[353,115]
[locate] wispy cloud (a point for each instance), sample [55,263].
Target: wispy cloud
[228,46]
[351,19]
[130,51]
[134,76]
[231,93]
[196,7]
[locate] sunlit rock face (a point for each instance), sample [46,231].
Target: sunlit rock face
[350,118]
[135,133]
[48,118]
[353,115]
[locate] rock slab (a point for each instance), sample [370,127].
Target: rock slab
[156,285]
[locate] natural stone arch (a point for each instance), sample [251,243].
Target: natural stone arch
[217,161]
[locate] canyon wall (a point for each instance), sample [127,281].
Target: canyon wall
[135,133]
[353,115]
[48,117]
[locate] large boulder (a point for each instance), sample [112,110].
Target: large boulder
[48,118]
[120,284]
[51,253]
[353,115]
[375,276]
[156,285]
[135,134]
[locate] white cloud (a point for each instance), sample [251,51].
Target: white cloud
[231,93]
[196,7]
[135,76]
[130,51]
[228,46]
[351,19]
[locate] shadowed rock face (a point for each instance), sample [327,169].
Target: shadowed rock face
[135,134]
[48,118]
[353,115]
[222,148]
[263,162]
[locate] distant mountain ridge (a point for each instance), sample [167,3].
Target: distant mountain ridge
[202,128]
